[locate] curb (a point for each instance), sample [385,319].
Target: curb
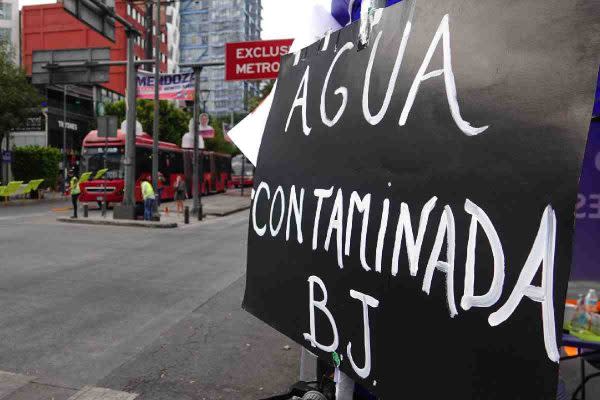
[228,212]
[112,222]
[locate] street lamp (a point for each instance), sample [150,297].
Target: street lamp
[204,95]
[197,205]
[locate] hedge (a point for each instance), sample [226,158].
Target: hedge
[36,162]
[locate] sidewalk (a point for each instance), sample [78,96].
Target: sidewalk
[22,387]
[45,197]
[219,205]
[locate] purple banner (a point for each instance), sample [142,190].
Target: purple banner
[586,249]
[597,103]
[339,9]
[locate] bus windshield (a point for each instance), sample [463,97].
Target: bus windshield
[93,161]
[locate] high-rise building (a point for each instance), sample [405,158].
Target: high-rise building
[173,22]
[9,25]
[206,26]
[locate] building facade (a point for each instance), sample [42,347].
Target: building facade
[173,24]
[50,27]
[206,26]
[9,25]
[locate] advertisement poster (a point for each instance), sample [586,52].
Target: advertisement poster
[172,86]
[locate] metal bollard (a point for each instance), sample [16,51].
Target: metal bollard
[200,212]
[85,211]
[186,215]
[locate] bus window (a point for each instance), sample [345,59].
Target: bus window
[143,161]
[206,163]
[177,162]
[93,161]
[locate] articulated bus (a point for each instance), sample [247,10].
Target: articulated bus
[215,171]
[173,162]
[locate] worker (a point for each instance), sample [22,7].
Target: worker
[75,190]
[149,198]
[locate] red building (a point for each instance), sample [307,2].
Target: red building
[50,27]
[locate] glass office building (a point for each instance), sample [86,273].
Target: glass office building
[205,27]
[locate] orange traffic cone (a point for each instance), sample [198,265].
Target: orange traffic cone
[167,211]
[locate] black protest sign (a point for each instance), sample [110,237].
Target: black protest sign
[413,202]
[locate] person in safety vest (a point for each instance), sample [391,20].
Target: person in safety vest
[149,197]
[75,190]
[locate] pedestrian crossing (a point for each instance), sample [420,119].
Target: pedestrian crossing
[23,387]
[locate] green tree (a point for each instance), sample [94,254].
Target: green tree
[173,123]
[36,162]
[17,95]
[219,144]
[254,101]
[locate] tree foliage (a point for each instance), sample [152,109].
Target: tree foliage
[254,102]
[17,96]
[36,162]
[173,122]
[219,144]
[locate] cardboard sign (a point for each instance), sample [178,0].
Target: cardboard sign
[254,60]
[206,131]
[413,205]
[172,86]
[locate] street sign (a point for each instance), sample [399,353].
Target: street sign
[108,126]
[73,66]
[254,60]
[93,15]
[413,207]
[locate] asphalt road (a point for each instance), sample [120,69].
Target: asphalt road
[84,305]
[152,312]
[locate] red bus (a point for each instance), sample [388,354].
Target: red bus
[170,165]
[236,172]
[173,162]
[215,170]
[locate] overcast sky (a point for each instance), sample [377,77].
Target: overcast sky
[280,17]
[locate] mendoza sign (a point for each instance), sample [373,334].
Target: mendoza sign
[172,86]
[414,200]
[254,60]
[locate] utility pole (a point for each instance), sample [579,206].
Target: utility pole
[155,129]
[65,158]
[129,196]
[197,202]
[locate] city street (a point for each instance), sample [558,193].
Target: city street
[154,313]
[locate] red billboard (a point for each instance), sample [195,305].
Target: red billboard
[256,60]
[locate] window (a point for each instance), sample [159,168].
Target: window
[5,11]
[170,162]
[128,9]
[143,161]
